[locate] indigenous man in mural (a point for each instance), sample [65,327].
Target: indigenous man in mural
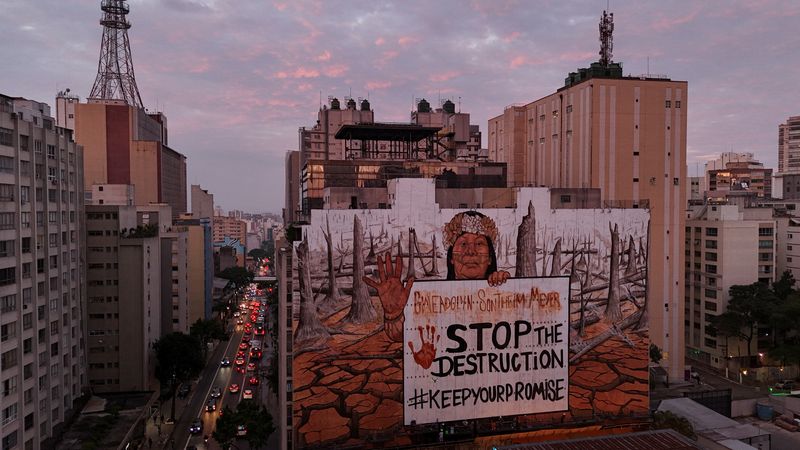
[469,237]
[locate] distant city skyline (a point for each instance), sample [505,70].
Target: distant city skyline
[237,79]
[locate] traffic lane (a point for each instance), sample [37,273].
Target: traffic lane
[196,408]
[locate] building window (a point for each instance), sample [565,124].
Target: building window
[668,104]
[767,243]
[8,276]
[7,221]
[7,248]
[677,103]
[7,192]
[711,231]
[765,231]
[6,136]
[6,164]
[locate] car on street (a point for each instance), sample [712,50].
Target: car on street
[247,394]
[251,367]
[253,381]
[240,321]
[241,430]
[226,362]
[246,338]
[236,314]
[216,392]
[239,361]
[244,346]
[233,388]
[196,427]
[211,406]
[239,369]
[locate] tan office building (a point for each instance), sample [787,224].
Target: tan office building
[626,136]
[125,145]
[129,258]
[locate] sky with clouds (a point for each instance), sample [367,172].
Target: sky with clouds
[236,78]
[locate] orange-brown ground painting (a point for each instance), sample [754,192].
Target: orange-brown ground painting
[350,393]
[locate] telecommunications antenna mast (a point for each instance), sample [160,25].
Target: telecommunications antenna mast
[115,79]
[606,38]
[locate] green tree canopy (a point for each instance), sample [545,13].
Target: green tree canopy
[239,277]
[225,429]
[179,358]
[257,253]
[784,286]
[749,306]
[655,354]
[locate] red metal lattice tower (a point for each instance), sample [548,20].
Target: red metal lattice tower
[606,38]
[115,79]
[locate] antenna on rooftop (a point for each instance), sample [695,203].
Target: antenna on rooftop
[606,38]
[115,78]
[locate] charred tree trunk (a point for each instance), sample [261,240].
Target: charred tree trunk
[631,268]
[309,328]
[555,267]
[435,269]
[412,267]
[334,296]
[361,309]
[371,259]
[613,311]
[526,245]
[643,318]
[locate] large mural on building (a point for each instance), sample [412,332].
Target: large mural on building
[415,316]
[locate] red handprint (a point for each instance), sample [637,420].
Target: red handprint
[427,353]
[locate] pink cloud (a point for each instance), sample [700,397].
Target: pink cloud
[336,70]
[201,65]
[283,102]
[374,85]
[406,40]
[280,6]
[669,23]
[304,87]
[300,72]
[324,56]
[518,61]
[380,41]
[512,37]
[576,56]
[445,76]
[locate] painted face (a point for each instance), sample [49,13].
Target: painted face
[471,256]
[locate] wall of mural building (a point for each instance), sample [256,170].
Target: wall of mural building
[414,319]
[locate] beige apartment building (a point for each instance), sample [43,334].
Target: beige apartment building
[134,273]
[726,245]
[200,267]
[224,226]
[42,309]
[627,137]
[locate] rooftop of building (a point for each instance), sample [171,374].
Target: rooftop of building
[644,440]
[384,131]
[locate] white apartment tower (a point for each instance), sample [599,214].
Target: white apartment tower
[42,357]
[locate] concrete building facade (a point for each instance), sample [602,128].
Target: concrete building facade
[200,266]
[129,146]
[130,298]
[726,245]
[627,137]
[789,146]
[42,281]
[202,203]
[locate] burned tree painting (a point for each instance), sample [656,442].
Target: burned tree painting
[348,368]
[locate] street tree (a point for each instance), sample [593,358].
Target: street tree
[239,277]
[655,354]
[749,306]
[206,331]
[178,360]
[225,429]
[258,422]
[257,253]
[784,286]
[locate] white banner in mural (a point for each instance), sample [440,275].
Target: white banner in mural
[473,350]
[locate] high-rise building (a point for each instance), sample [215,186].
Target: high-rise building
[626,136]
[741,177]
[786,182]
[789,146]
[348,150]
[131,258]
[42,342]
[291,209]
[202,203]
[200,265]
[726,245]
[125,145]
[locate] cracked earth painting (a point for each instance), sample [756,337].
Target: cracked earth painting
[347,367]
